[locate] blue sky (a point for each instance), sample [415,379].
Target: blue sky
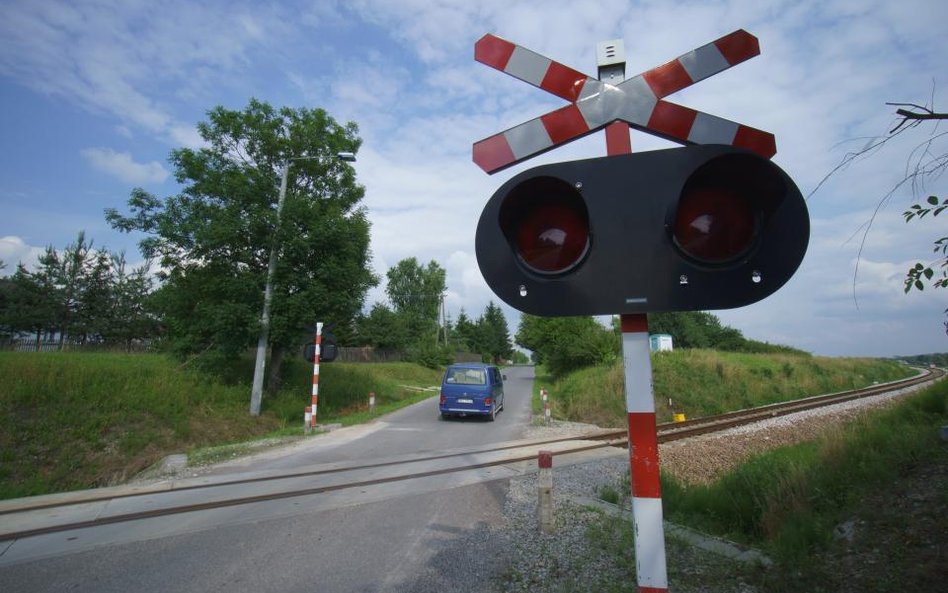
[95,94]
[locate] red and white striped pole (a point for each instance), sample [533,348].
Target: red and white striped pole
[651,568]
[547,411]
[319,338]
[647,515]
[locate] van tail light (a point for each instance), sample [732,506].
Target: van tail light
[488,401]
[443,399]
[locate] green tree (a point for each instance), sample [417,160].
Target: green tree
[382,328]
[466,333]
[28,305]
[415,293]
[493,333]
[130,317]
[80,295]
[213,239]
[565,344]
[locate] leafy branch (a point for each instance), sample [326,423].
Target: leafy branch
[914,277]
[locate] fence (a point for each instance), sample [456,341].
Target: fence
[32,345]
[368,354]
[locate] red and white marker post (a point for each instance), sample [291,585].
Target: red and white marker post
[319,338]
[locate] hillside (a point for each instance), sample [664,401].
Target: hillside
[704,382]
[79,420]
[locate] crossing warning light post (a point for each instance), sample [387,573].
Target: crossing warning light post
[712,225]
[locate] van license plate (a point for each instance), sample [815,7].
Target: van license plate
[465,401]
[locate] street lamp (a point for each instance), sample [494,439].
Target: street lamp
[256,392]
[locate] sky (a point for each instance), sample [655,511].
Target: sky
[96,93]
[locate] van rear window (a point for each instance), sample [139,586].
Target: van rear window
[467,376]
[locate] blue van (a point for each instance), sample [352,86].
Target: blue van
[472,389]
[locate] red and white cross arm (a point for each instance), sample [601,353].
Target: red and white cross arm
[637,101]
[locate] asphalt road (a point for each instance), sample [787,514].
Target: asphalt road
[415,429]
[410,541]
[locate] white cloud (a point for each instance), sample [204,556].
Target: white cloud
[14,250]
[122,166]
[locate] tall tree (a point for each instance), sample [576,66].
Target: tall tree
[465,332]
[495,335]
[213,239]
[415,292]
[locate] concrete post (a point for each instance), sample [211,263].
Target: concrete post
[545,491]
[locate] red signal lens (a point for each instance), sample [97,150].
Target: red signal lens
[552,238]
[714,225]
[546,221]
[723,206]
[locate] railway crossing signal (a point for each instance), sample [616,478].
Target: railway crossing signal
[328,350]
[693,228]
[712,225]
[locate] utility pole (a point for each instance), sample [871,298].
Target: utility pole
[256,391]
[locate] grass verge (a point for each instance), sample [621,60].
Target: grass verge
[789,502]
[79,420]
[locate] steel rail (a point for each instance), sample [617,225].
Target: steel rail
[242,500]
[146,491]
[666,432]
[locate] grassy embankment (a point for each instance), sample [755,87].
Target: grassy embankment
[79,420]
[786,501]
[706,382]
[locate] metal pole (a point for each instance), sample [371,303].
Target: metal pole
[647,516]
[256,392]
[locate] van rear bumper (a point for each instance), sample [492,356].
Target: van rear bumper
[471,411]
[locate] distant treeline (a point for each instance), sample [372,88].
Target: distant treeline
[939,359]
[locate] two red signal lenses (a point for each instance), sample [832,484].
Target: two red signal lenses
[546,222]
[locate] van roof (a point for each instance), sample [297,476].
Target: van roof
[470,365]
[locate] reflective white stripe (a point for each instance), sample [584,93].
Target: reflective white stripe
[315,388]
[650,564]
[638,372]
[709,129]
[703,62]
[528,66]
[528,138]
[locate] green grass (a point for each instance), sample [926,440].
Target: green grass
[787,501]
[79,420]
[706,382]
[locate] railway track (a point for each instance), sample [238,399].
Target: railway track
[22,518]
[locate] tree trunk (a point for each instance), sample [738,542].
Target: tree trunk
[275,376]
